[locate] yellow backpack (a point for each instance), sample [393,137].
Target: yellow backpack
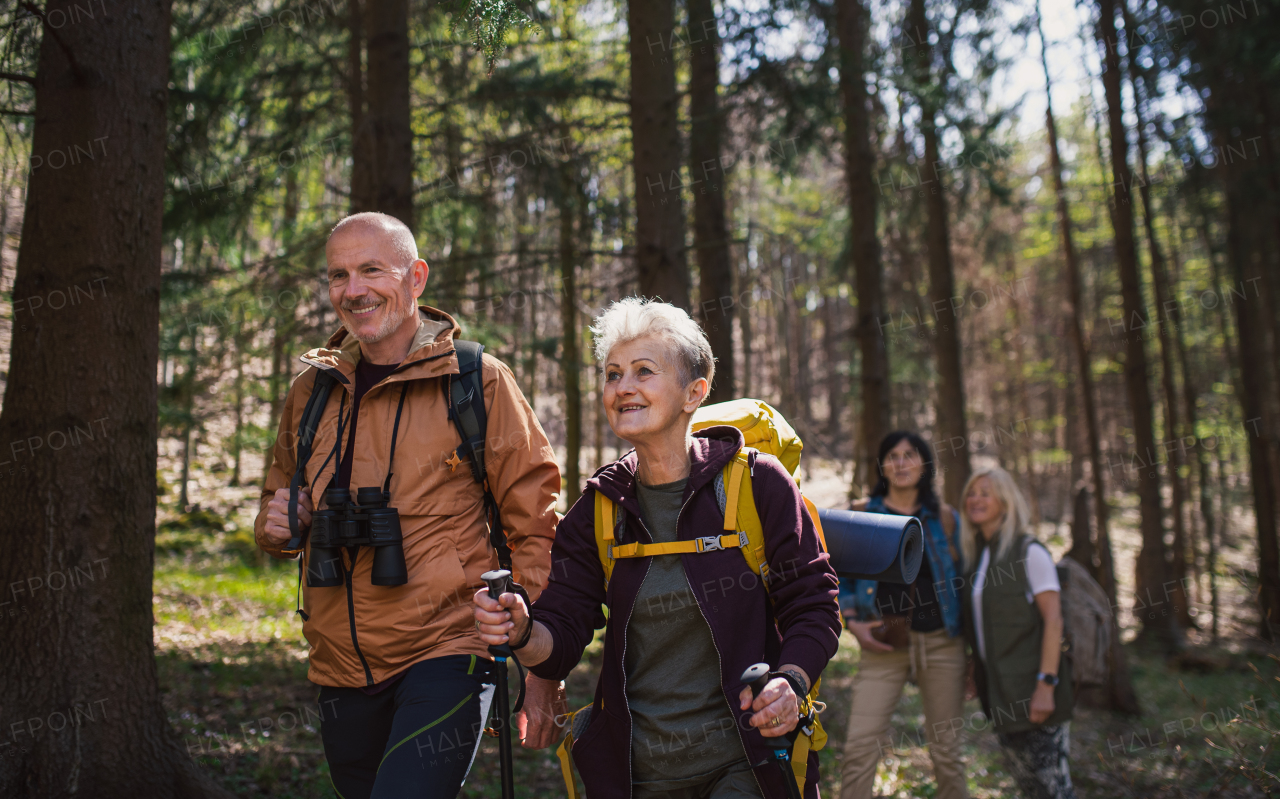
[765,430]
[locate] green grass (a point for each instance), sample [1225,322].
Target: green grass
[232,663]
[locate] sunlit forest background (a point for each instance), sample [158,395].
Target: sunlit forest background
[1046,237]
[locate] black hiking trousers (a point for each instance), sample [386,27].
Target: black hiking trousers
[414,739]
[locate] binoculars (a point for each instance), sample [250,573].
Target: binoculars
[366,522]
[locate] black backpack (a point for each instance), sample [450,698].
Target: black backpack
[465,395]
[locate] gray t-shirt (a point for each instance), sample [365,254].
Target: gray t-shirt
[683,729]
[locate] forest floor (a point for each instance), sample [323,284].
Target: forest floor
[232,663]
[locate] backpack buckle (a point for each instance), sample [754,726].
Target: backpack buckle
[709,543]
[742,540]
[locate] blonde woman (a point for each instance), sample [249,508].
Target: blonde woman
[1013,623]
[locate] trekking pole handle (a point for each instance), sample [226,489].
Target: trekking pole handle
[757,677]
[498,581]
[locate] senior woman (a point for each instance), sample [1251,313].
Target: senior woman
[1015,627]
[671,716]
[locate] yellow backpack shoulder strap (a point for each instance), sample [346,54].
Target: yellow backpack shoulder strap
[606,519]
[740,512]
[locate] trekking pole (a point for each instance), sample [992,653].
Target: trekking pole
[758,677]
[499,583]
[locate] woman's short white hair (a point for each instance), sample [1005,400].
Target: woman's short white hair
[634,318]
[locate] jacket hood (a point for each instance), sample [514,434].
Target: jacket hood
[711,451]
[430,355]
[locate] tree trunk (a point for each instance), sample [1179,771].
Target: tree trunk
[388,96]
[655,143]
[571,357]
[1121,694]
[951,439]
[746,286]
[1190,394]
[1153,587]
[1160,283]
[1020,400]
[789,403]
[834,380]
[363,152]
[81,702]
[237,439]
[1081,542]
[710,184]
[1253,378]
[189,408]
[853,20]
[275,389]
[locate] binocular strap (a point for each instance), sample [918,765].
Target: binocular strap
[299,478]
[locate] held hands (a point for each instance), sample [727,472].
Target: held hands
[1041,703]
[778,701]
[499,620]
[276,530]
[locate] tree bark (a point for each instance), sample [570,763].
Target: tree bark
[1120,692]
[710,185]
[81,703]
[1153,587]
[1172,417]
[951,439]
[853,20]
[1253,379]
[655,144]
[746,285]
[570,356]
[1190,394]
[363,148]
[388,97]
[1020,400]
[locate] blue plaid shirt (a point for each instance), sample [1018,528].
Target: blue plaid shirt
[860,595]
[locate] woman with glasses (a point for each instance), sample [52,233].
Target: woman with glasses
[907,632]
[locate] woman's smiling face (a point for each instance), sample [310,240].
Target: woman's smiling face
[643,393]
[981,504]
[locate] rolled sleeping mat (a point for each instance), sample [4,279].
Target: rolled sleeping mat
[873,546]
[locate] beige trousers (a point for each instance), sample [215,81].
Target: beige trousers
[939,665]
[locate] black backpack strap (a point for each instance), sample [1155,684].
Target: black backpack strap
[307,426]
[465,392]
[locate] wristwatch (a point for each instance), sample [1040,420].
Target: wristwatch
[1050,680]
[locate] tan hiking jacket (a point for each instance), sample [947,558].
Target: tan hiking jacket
[363,634]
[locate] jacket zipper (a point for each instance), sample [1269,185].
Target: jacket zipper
[351,600]
[719,658]
[733,713]
[351,616]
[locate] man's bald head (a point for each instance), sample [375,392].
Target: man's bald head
[395,232]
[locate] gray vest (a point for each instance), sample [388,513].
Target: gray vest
[1012,629]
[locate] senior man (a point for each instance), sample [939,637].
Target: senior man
[405,681]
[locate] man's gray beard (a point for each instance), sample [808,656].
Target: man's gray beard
[389,325]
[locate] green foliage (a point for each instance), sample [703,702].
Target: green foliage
[490,24]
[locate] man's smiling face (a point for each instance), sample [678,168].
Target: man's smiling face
[371,290]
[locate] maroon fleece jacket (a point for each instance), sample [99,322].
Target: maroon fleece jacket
[797,621]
